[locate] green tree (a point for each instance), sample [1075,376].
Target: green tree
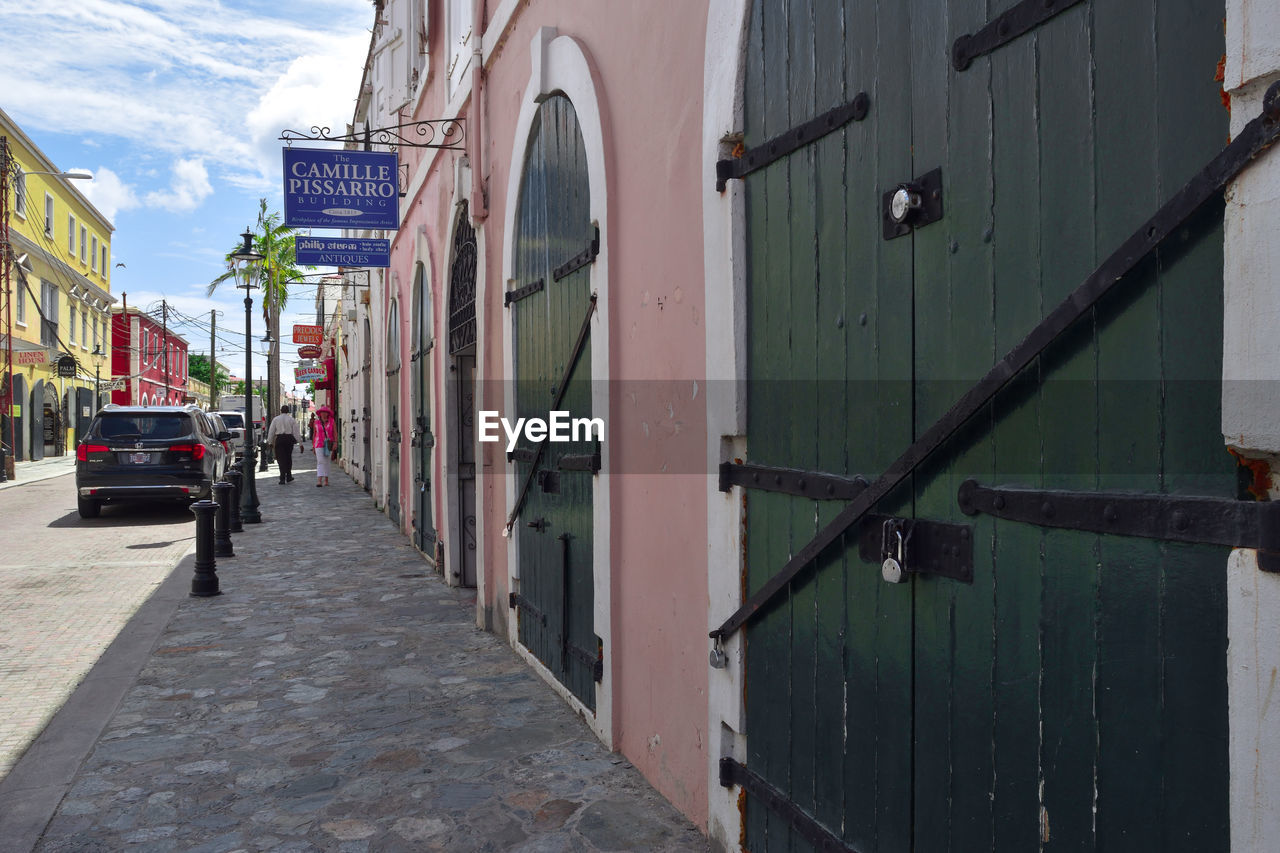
[198,367]
[275,241]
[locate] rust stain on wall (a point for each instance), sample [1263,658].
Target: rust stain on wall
[1260,470]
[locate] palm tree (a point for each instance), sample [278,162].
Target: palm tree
[275,241]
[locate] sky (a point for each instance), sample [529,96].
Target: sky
[175,107]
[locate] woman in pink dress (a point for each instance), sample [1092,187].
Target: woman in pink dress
[323,441]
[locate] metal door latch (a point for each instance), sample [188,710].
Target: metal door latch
[538,524]
[907,546]
[912,204]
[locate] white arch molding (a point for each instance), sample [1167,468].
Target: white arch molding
[724,272]
[561,65]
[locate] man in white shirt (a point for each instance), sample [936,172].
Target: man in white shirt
[282,435]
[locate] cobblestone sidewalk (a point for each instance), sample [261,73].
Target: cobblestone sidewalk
[338,696]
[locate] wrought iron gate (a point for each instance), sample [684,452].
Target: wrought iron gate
[551,307]
[462,352]
[918,678]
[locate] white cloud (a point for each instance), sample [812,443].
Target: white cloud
[108,193]
[189,188]
[316,90]
[180,76]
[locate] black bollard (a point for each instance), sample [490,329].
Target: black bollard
[205,582]
[234,477]
[222,521]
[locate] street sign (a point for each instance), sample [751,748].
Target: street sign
[111,385]
[67,367]
[340,251]
[310,373]
[308,334]
[328,188]
[309,351]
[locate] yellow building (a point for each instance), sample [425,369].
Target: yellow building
[57,316]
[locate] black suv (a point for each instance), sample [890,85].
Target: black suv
[148,453]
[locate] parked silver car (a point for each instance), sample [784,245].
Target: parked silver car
[234,422]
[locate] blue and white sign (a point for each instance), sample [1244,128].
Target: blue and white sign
[326,188]
[341,252]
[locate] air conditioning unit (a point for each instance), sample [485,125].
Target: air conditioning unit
[351,314]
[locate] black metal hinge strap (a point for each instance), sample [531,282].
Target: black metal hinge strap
[927,548]
[522,454]
[791,481]
[1014,22]
[560,392]
[594,662]
[515,600]
[580,260]
[805,825]
[1255,137]
[792,140]
[589,462]
[1175,518]
[520,293]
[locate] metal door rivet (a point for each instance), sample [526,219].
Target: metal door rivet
[1180,520]
[1046,509]
[1109,513]
[862,319]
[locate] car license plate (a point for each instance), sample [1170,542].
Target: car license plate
[140,458]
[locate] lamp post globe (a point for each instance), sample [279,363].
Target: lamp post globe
[242,261]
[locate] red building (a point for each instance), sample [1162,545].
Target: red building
[151,360]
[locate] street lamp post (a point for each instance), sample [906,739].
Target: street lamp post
[242,261]
[97,378]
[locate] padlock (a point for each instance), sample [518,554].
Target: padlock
[891,569]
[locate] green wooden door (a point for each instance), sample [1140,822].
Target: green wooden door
[1073,696]
[422,439]
[550,304]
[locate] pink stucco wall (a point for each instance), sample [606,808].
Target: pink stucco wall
[648,62]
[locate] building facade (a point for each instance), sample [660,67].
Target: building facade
[876,305]
[149,358]
[57,302]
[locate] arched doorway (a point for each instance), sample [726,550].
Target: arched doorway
[551,304]
[423,442]
[35,421]
[393,412]
[462,366]
[366,414]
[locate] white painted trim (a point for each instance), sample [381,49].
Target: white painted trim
[560,64]
[724,273]
[501,19]
[426,362]
[1250,410]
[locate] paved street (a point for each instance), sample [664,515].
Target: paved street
[67,586]
[337,696]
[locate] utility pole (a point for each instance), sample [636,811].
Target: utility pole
[164,327]
[213,360]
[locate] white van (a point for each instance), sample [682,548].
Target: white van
[235,403]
